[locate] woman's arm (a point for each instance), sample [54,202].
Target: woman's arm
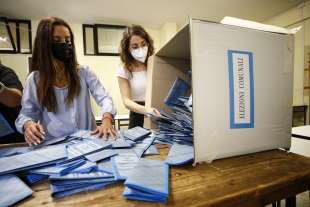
[10,97]
[126,97]
[30,113]
[105,102]
[130,104]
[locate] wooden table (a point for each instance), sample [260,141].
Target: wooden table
[249,180]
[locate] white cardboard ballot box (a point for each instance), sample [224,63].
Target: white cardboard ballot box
[242,85]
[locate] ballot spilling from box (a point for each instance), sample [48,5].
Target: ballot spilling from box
[241,79]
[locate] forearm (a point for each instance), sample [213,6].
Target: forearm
[133,106]
[10,97]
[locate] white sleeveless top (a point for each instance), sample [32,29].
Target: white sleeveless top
[137,82]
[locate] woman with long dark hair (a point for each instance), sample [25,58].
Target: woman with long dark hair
[136,47]
[56,99]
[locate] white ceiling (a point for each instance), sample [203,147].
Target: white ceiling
[146,12]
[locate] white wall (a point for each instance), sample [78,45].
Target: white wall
[104,66]
[302,40]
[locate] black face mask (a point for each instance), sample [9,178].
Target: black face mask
[62,51]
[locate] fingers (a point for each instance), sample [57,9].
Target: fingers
[113,133]
[105,132]
[33,135]
[95,131]
[31,138]
[156,111]
[41,129]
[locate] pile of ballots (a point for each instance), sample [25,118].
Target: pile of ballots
[83,162]
[176,128]
[79,162]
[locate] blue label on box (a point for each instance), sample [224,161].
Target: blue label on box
[241,89]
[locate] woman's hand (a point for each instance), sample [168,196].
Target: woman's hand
[152,111]
[106,128]
[34,133]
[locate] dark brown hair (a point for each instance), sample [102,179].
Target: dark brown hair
[44,62]
[125,54]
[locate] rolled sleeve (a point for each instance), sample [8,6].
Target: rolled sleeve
[99,93]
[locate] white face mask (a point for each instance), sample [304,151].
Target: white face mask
[140,53]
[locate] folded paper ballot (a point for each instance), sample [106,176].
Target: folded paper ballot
[141,147]
[100,155]
[123,163]
[84,147]
[87,167]
[180,154]
[32,178]
[73,182]
[9,151]
[152,150]
[51,141]
[134,194]
[79,189]
[148,177]
[120,143]
[105,166]
[136,133]
[12,190]
[5,128]
[81,176]
[32,159]
[60,169]
[179,88]
[177,128]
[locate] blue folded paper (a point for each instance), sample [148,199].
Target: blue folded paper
[9,151]
[67,192]
[152,150]
[100,155]
[32,178]
[179,88]
[32,159]
[141,147]
[136,133]
[123,163]
[5,128]
[148,181]
[180,154]
[60,169]
[12,190]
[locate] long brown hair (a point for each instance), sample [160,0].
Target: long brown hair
[125,54]
[44,62]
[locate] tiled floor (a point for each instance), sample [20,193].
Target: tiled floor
[302,200]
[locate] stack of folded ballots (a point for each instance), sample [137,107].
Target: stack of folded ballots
[77,182]
[148,181]
[83,162]
[176,128]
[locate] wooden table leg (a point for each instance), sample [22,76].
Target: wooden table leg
[290,202]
